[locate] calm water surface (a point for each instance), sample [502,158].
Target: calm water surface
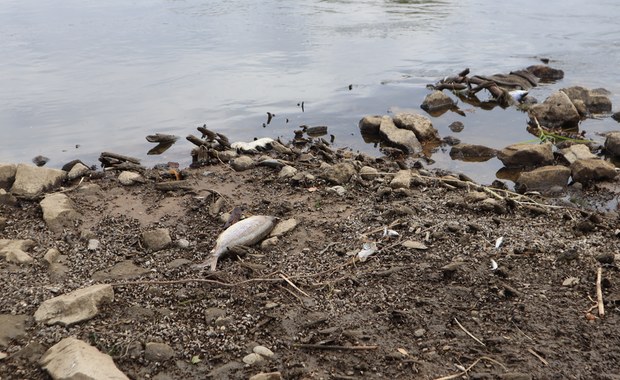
[81,77]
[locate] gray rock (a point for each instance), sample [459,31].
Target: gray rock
[58,212]
[368,173]
[471,152]
[123,270]
[402,138]
[595,101]
[89,189]
[577,152]
[242,163]
[7,199]
[127,178]
[14,251]
[612,144]
[545,179]
[271,242]
[72,359]
[456,126]
[284,227]
[213,313]
[93,244]
[31,180]
[402,180]
[418,124]
[588,170]
[437,101]
[338,190]
[182,243]
[74,307]
[267,376]
[339,174]
[7,175]
[557,111]
[287,172]
[419,333]
[369,125]
[77,171]
[157,239]
[12,327]
[158,352]
[526,155]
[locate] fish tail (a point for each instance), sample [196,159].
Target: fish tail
[210,262]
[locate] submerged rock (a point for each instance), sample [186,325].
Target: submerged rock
[369,125]
[471,152]
[437,101]
[526,155]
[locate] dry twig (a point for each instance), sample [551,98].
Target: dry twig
[599,293]
[335,347]
[464,372]
[467,332]
[538,356]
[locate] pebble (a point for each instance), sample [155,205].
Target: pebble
[130,178]
[253,358]
[158,352]
[263,351]
[267,376]
[571,281]
[182,243]
[419,333]
[605,258]
[93,244]
[51,256]
[338,190]
[287,172]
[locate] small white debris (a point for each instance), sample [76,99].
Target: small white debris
[389,233]
[367,250]
[498,242]
[494,265]
[339,190]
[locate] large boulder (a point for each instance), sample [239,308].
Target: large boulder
[557,111]
[369,125]
[545,179]
[14,251]
[612,144]
[577,152]
[74,307]
[402,138]
[592,169]
[31,180]
[418,124]
[526,155]
[58,212]
[75,359]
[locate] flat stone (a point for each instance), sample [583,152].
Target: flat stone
[157,239]
[472,152]
[545,179]
[526,155]
[158,352]
[418,124]
[270,242]
[12,327]
[339,174]
[557,111]
[59,212]
[577,152]
[402,180]
[242,163]
[14,251]
[73,359]
[612,144]
[77,171]
[127,178]
[74,307]
[123,270]
[588,170]
[402,138]
[284,227]
[338,190]
[31,180]
[7,175]
[267,376]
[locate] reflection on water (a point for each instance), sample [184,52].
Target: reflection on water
[103,75]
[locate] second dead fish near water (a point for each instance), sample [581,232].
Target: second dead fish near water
[245,232]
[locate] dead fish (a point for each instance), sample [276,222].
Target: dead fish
[245,232]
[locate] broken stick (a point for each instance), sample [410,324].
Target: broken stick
[599,293]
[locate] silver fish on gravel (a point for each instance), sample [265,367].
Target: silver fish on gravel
[245,232]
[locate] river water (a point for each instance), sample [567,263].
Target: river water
[84,76]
